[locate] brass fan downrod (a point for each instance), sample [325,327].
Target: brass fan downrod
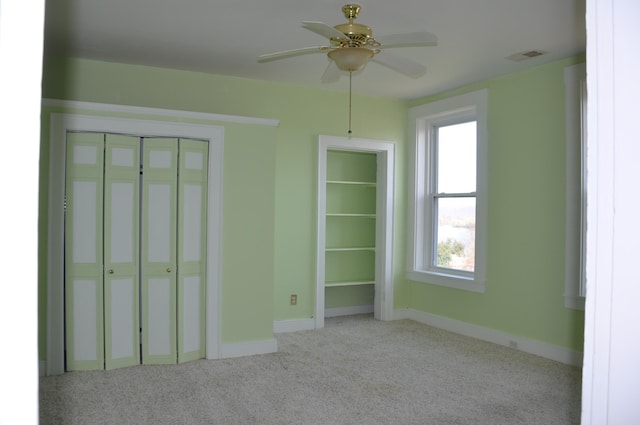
[350,75]
[358,34]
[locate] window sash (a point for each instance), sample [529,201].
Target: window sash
[430,238]
[576,196]
[433,240]
[440,145]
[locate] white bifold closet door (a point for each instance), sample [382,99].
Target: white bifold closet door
[134,236]
[159,263]
[102,251]
[121,251]
[84,287]
[173,262]
[192,249]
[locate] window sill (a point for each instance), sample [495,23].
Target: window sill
[447,280]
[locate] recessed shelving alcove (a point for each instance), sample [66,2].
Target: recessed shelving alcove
[355,222]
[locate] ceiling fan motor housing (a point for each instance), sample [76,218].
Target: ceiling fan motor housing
[352,52]
[358,35]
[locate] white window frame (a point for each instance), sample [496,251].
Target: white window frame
[422,121]
[576,198]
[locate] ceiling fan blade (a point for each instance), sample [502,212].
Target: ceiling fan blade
[331,73]
[323,29]
[402,65]
[411,39]
[290,53]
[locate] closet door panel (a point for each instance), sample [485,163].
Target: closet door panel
[84,251]
[122,345]
[192,231]
[159,217]
[159,301]
[85,335]
[121,251]
[191,341]
[158,254]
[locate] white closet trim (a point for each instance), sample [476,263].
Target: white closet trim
[60,125]
[173,113]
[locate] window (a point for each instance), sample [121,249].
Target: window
[448,202]
[576,199]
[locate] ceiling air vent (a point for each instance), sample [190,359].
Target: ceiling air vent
[526,55]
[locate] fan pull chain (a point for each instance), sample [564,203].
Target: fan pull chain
[349,132]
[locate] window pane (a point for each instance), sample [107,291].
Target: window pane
[456,233]
[456,150]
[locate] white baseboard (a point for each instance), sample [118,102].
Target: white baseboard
[249,348]
[542,349]
[294,325]
[402,313]
[309,323]
[347,311]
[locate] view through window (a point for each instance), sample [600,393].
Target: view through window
[455,196]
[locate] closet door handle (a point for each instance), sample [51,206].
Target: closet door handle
[168,269]
[110,271]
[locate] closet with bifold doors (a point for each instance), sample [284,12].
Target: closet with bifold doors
[135,250]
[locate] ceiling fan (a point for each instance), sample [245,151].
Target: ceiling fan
[352,45]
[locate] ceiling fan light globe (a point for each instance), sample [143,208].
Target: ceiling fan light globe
[351,59]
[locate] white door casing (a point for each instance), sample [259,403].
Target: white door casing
[385,151]
[61,124]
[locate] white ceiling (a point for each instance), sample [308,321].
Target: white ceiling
[226,37]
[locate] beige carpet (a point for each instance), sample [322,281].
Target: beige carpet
[354,371]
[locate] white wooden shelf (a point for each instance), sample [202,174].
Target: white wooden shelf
[350,215]
[346,182]
[354,248]
[349,283]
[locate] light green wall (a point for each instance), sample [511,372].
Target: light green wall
[525,270]
[269,175]
[270,192]
[248,233]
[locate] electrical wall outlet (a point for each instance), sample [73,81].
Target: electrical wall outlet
[293,300]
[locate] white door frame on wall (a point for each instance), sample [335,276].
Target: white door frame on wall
[385,151]
[62,123]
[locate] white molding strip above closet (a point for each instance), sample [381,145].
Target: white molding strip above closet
[173,113]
